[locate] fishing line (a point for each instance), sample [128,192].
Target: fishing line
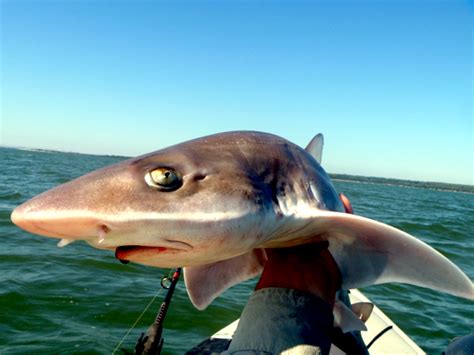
[138,320]
[152,342]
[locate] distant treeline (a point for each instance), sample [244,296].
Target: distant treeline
[408,183]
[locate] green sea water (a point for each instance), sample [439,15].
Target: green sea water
[79,300]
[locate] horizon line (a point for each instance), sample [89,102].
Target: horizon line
[330,173]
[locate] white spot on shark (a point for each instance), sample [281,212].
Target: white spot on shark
[63,242]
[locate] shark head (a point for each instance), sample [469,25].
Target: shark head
[213,204]
[197,202]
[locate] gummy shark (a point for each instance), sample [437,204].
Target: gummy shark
[213,204]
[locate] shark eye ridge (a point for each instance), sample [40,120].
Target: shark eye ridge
[164,179]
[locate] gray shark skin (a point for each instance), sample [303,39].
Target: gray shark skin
[232,195]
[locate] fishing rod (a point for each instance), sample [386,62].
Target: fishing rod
[152,343]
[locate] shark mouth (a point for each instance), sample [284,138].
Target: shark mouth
[123,253]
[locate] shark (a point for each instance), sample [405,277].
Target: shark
[214,204]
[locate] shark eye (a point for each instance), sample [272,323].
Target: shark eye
[164,178]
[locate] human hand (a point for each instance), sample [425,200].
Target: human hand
[307,268]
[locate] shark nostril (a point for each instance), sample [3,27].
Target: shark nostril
[104,228]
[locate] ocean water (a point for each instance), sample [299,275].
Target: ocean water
[79,300]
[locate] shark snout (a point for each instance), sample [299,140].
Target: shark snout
[57,223]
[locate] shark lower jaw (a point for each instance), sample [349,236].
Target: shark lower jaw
[125,253]
[150,256]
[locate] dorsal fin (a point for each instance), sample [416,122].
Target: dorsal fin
[315,147]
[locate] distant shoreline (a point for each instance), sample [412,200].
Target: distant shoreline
[41,150]
[441,186]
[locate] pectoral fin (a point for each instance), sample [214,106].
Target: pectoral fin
[369,252]
[204,283]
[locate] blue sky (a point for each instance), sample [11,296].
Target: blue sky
[389,83]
